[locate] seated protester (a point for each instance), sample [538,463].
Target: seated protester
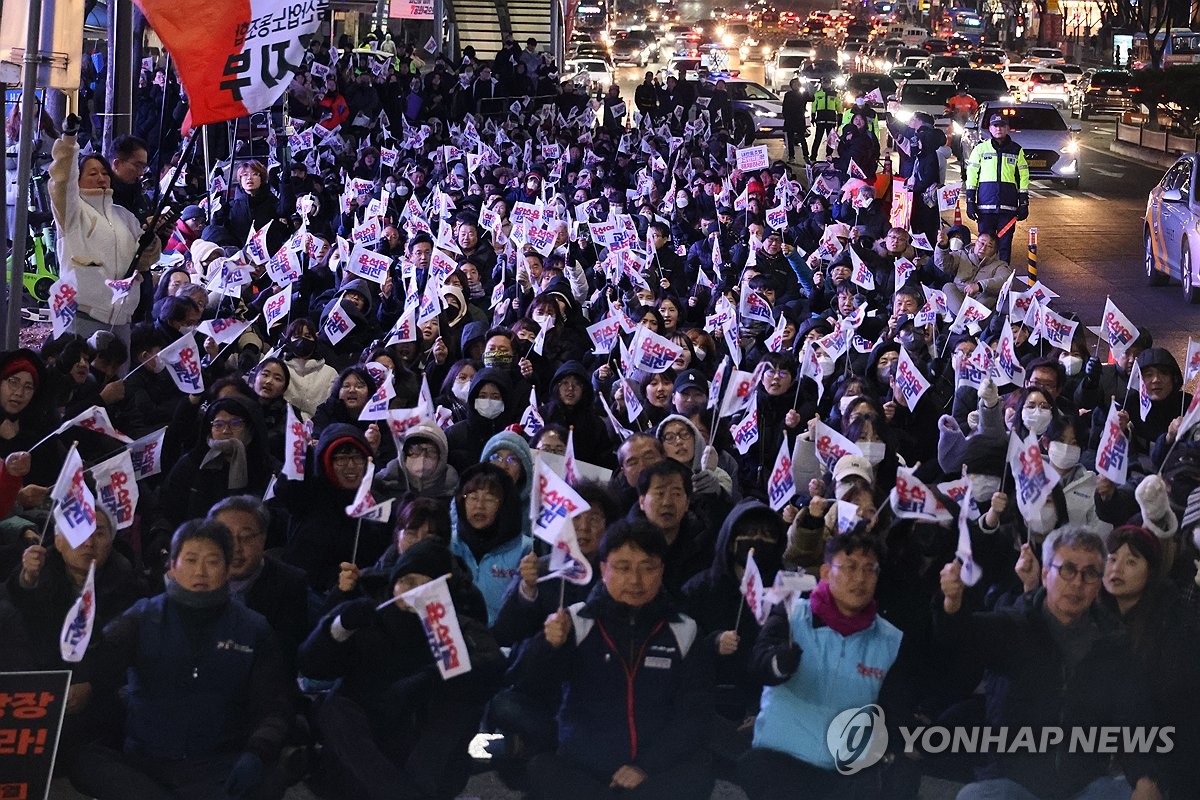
[1162,381]
[270,382]
[525,711]
[714,599]
[818,657]
[151,397]
[421,468]
[262,582]
[351,391]
[491,407]
[621,725]
[355,299]
[635,454]
[43,590]
[572,404]
[230,457]
[654,390]
[525,605]
[393,725]
[320,535]
[455,387]
[1102,381]
[418,519]
[978,272]
[783,408]
[1047,374]
[860,208]
[510,452]
[68,362]
[712,486]
[1137,588]
[664,498]
[311,378]
[487,531]
[811,228]
[1058,658]
[820,520]
[225,723]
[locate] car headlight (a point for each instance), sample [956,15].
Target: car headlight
[768,114]
[902,115]
[839,81]
[727,40]
[1072,147]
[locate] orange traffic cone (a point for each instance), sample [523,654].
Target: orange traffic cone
[957,213]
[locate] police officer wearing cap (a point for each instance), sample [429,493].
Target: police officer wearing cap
[998,184]
[826,107]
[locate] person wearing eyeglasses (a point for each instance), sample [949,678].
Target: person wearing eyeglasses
[25,417]
[1058,658]
[487,535]
[229,457]
[817,657]
[510,452]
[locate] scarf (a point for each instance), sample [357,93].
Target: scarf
[233,451]
[825,609]
[196,600]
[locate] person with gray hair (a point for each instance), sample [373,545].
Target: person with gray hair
[262,582]
[1058,659]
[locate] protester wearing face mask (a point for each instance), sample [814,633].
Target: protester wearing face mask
[421,468]
[712,599]
[782,411]
[490,409]
[456,386]
[1073,500]
[311,377]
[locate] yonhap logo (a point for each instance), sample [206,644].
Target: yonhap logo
[857,738]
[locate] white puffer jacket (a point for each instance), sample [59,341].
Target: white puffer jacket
[96,239]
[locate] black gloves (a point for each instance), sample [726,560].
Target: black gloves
[1022,206]
[787,660]
[357,614]
[972,204]
[1091,370]
[70,125]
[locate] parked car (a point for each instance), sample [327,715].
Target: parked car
[757,111]
[1105,91]
[927,96]
[1051,146]
[1172,245]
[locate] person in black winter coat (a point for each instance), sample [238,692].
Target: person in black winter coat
[714,599]
[859,145]
[490,409]
[321,536]
[230,457]
[572,405]
[356,301]
[254,205]
[394,727]
[622,724]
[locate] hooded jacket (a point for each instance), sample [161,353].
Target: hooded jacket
[590,436]
[503,542]
[397,481]
[345,352]
[320,535]
[34,422]
[466,439]
[507,440]
[714,596]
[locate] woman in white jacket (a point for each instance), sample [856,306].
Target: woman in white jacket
[97,240]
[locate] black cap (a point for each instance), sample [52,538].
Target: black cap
[997,119]
[691,379]
[192,212]
[428,557]
[724,211]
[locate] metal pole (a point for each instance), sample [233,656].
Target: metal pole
[207,169]
[24,168]
[1031,261]
[7,281]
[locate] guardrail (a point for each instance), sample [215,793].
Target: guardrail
[1158,141]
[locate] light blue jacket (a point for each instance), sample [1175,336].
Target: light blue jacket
[495,571]
[836,673]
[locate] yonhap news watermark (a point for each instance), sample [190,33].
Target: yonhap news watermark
[858,738]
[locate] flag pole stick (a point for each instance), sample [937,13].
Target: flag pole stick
[738,622]
[46,524]
[151,229]
[562,592]
[354,552]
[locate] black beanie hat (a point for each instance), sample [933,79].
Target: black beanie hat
[428,557]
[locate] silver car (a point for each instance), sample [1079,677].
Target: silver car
[1170,231]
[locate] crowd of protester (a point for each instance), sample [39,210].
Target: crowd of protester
[241,640]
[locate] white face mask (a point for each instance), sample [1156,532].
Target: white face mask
[873,451]
[1072,364]
[826,366]
[956,245]
[681,202]
[460,390]
[489,408]
[1037,420]
[701,353]
[1064,456]
[983,486]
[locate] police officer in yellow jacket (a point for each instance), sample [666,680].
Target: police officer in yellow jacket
[998,185]
[826,108]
